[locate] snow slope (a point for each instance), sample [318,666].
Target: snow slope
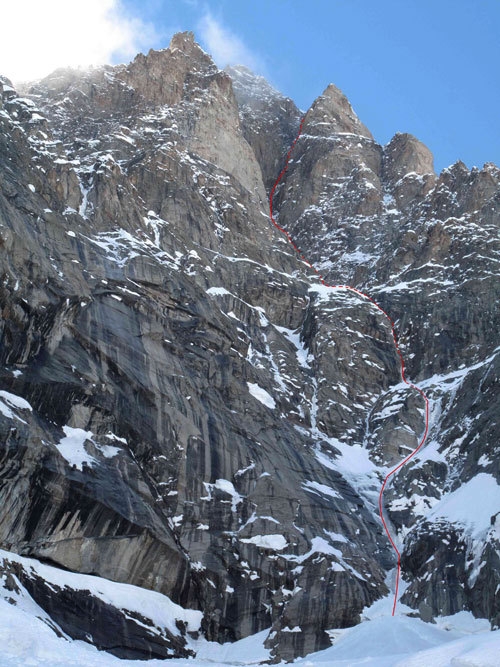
[28,636]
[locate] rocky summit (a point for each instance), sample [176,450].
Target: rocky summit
[190,420]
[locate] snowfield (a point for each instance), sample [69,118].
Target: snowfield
[27,636]
[27,639]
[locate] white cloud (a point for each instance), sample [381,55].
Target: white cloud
[225,47]
[39,36]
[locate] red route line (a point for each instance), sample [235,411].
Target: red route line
[396,344]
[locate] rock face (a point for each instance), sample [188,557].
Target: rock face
[184,407]
[379,219]
[269,120]
[332,115]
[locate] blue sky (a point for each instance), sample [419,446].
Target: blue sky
[428,67]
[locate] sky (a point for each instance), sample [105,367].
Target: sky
[428,67]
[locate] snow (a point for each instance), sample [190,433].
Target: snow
[357,257]
[261,395]
[318,546]
[468,652]
[274,542]
[232,259]
[463,621]
[336,537]
[401,641]
[27,639]
[248,651]
[228,487]
[320,489]
[256,517]
[418,503]
[484,461]
[472,505]
[379,641]
[8,401]
[72,447]
[25,101]
[15,401]
[321,547]
[385,642]
[354,460]
[242,471]
[343,294]
[218,291]
[294,337]
[414,285]
[452,380]
[108,451]
[112,436]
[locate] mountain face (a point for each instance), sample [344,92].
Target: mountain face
[186,408]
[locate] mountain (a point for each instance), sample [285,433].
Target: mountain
[190,420]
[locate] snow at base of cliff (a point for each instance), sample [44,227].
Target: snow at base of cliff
[380,641]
